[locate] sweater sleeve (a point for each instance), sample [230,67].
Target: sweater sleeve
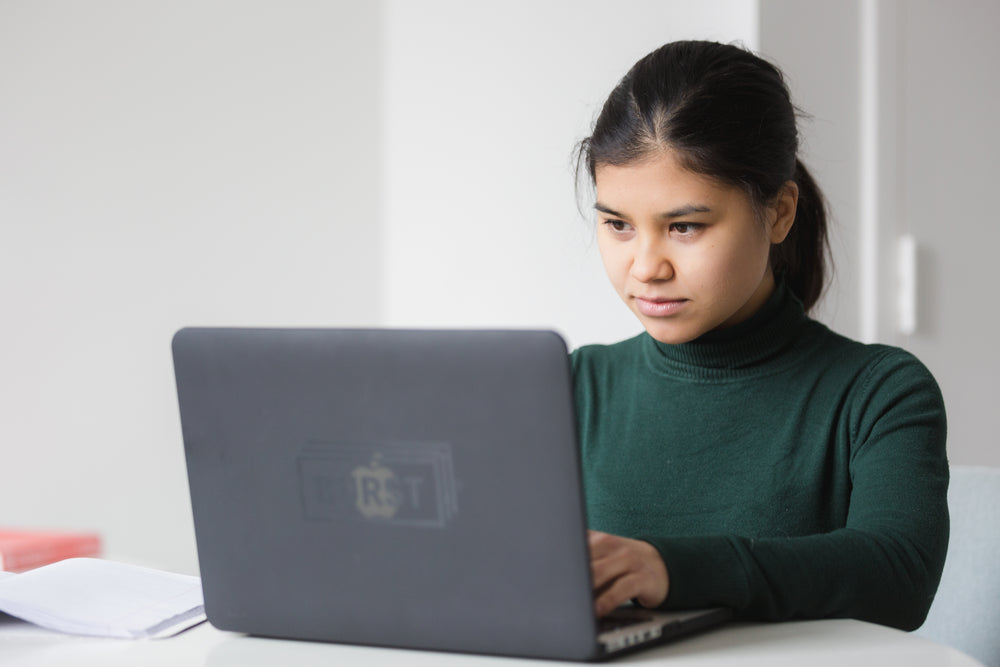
[885,563]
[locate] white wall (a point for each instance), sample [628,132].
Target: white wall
[817,46]
[165,164]
[484,104]
[945,173]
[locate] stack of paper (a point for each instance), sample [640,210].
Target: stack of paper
[88,596]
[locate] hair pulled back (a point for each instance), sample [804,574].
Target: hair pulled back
[726,114]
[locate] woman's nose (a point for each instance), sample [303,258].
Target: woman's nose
[651,263]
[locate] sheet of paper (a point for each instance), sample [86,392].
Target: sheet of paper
[103,598]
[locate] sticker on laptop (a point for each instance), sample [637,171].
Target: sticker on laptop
[408,483]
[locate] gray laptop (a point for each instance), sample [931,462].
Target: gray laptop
[415,489]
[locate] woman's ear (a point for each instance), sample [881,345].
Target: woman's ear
[784,206]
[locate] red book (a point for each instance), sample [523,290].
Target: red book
[26,549]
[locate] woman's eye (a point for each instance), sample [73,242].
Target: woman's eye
[686,228]
[617,225]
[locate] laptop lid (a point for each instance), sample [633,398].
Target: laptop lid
[415,489]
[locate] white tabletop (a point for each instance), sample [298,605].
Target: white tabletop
[813,643]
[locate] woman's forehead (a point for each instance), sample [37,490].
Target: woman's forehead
[661,180]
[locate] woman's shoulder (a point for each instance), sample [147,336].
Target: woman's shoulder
[876,371]
[875,358]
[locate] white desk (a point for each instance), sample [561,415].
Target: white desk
[813,644]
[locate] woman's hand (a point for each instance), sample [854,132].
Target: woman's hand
[624,569]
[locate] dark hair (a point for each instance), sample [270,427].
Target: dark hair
[728,115]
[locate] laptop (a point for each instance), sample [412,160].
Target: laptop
[399,488]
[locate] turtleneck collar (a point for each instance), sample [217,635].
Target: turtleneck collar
[736,350]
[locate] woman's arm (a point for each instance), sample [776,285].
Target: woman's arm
[884,565]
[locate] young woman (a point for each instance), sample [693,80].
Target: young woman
[738,453]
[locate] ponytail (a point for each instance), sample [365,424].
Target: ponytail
[801,259]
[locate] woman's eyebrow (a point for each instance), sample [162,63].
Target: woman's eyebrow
[598,206]
[687,209]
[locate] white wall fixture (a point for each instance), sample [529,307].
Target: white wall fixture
[906,267]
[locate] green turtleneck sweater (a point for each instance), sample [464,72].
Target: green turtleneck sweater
[779,468]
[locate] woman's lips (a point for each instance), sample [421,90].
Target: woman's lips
[654,307]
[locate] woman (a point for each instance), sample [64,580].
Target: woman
[738,453]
